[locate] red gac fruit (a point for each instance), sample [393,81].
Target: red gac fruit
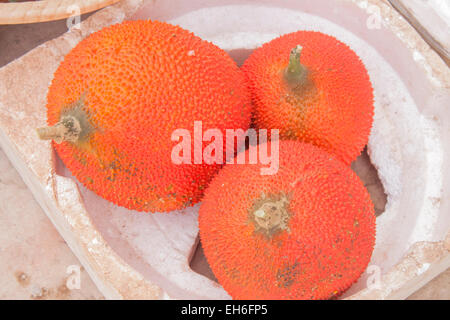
[313,88]
[118,97]
[306,232]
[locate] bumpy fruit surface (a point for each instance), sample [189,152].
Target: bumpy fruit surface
[129,86]
[313,88]
[306,232]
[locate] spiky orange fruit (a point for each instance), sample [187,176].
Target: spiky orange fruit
[306,232]
[313,88]
[119,95]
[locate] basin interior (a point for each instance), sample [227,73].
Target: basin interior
[404,146]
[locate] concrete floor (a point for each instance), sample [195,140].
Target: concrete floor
[37,267]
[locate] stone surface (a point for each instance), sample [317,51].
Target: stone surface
[35,261]
[436,289]
[430,18]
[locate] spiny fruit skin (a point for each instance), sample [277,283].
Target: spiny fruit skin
[137,82]
[324,246]
[332,110]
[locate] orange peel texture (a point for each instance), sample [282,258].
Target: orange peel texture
[306,232]
[332,109]
[134,83]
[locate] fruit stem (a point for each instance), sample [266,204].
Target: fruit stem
[67,129]
[272,216]
[295,74]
